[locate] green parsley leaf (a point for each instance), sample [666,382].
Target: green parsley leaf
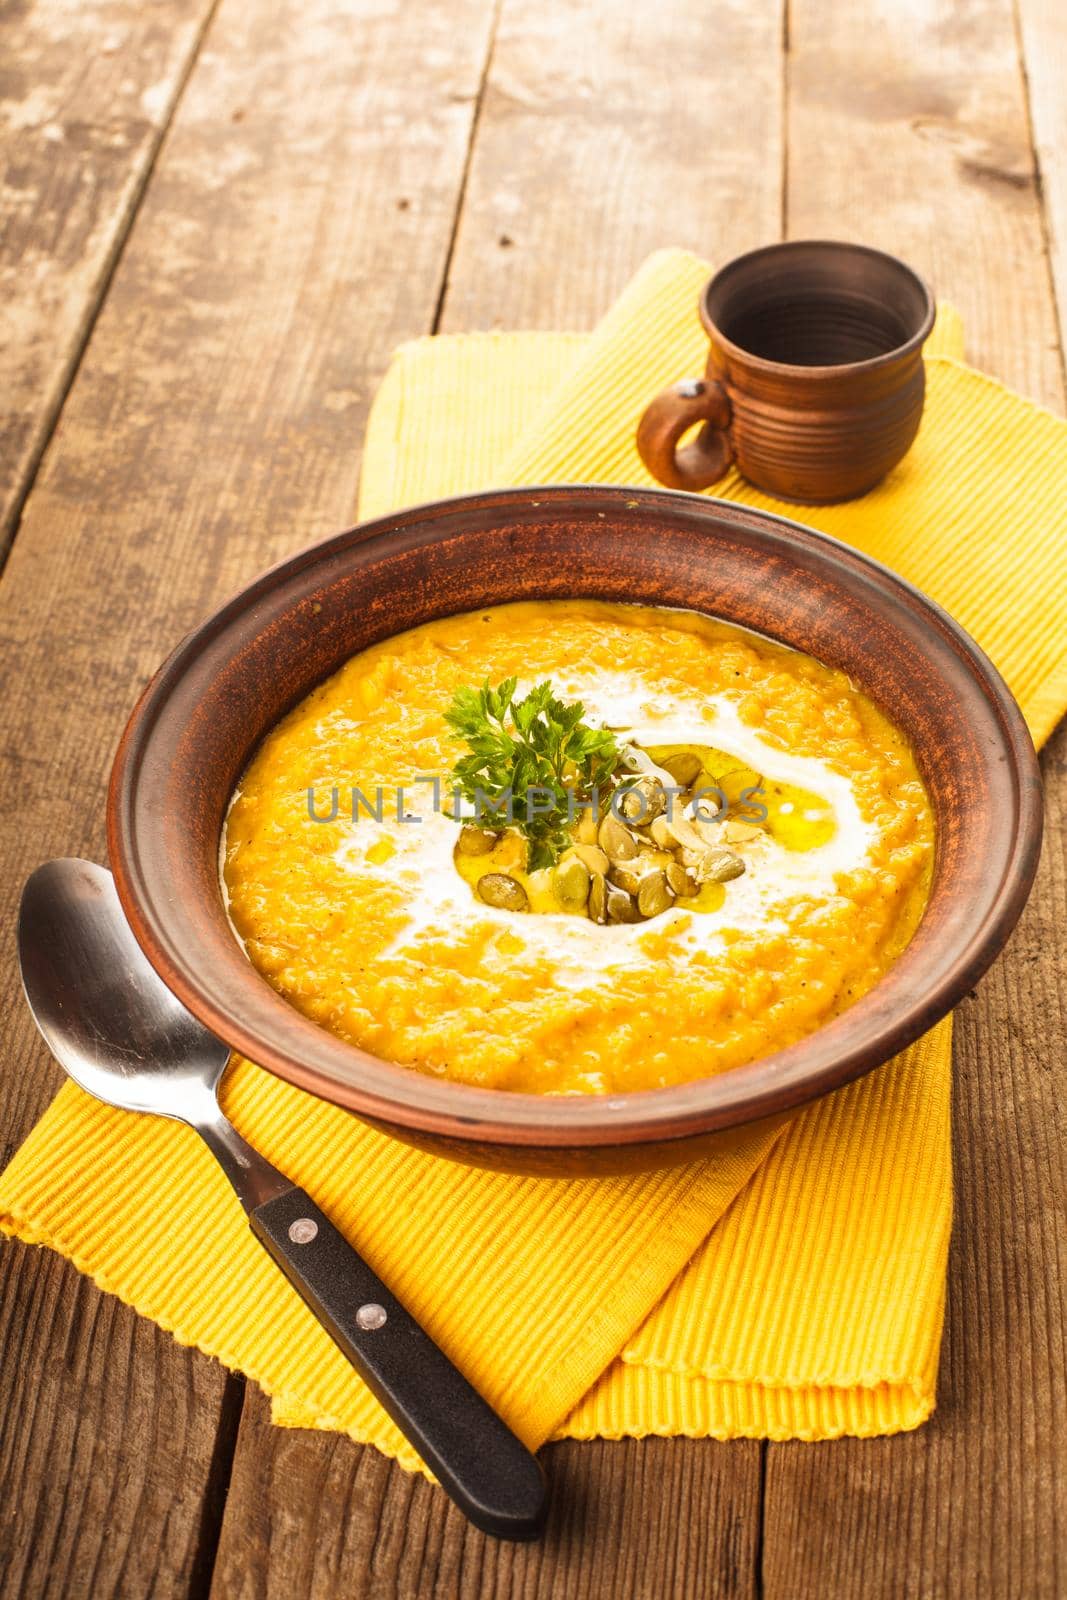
[530,762]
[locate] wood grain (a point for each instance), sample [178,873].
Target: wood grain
[86,92]
[296,229]
[607,132]
[916,133]
[1043,39]
[908,129]
[113,1444]
[320,1517]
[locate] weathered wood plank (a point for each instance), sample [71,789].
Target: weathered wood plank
[607,132]
[1043,35]
[640,1519]
[586,158]
[86,92]
[912,133]
[113,1444]
[295,230]
[908,130]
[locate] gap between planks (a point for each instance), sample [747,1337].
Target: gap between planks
[11,515]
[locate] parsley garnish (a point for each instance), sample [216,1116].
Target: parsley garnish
[537,743]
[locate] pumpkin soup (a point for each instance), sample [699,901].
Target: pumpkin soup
[574,847]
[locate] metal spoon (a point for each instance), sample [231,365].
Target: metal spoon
[120,1033]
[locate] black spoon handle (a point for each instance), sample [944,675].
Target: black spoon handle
[489,1473]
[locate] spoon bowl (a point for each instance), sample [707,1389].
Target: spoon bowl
[99,1004]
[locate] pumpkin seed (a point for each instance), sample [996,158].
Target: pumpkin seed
[598,898]
[618,842]
[679,880]
[641,801]
[660,830]
[625,875]
[724,866]
[500,890]
[738,783]
[710,831]
[476,841]
[712,866]
[570,880]
[654,896]
[685,768]
[621,907]
[685,833]
[594,858]
[727,866]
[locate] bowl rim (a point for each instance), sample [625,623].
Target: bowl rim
[419,1103]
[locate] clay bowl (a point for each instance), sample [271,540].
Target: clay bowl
[205,711]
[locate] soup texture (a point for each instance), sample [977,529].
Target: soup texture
[757,858]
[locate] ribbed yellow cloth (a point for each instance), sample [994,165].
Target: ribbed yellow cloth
[793,1287]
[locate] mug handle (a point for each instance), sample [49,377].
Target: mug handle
[704,460]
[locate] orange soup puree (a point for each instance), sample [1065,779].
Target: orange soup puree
[646,950]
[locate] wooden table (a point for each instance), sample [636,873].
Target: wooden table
[220,217]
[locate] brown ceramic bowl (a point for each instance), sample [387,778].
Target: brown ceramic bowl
[201,717]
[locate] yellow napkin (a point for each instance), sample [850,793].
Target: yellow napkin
[811,1305]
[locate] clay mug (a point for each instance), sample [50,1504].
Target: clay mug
[814,384]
